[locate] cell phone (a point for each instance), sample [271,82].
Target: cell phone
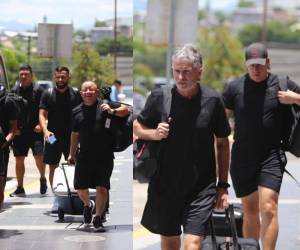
[52,139]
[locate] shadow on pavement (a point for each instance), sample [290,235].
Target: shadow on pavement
[37,195]
[4,234]
[8,205]
[110,228]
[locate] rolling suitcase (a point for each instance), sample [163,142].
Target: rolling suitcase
[229,243]
[222,225]
[65,194]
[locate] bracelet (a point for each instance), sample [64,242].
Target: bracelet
[223,185]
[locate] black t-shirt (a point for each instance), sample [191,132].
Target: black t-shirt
[33,95]
[95,139]
[188,160]
[59,106]
[8,112]
[259,116]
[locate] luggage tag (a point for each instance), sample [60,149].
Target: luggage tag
[107,123]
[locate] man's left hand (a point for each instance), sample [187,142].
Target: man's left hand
[288,97]
[106,107]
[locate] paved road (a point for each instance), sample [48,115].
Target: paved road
[289,213]
[28,224]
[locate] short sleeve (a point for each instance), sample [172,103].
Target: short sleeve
[228,97]
[221,126]
[44,100]
[150,115]
[293,86]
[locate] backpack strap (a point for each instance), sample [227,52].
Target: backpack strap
[292,176]
[167,101]
[283,85]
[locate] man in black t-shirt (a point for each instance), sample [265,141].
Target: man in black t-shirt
[257,161]
[8,126]
[94,162]
[183,190]
[29,134]
[56,106]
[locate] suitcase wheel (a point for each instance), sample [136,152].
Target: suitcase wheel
[61,214]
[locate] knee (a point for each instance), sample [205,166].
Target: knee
[269,209]
[193,243]
[170,242]
[101,191]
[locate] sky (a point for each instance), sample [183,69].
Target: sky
[82,12]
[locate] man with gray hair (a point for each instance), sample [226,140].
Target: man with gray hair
[183,190]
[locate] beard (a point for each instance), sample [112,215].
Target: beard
[61,85]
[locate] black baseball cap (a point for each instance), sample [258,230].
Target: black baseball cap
[256,53]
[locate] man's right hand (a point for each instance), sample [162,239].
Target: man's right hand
[162,131]
[71,160]
[47,135]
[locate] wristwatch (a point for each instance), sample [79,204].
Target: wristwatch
[114,112]
[223,185]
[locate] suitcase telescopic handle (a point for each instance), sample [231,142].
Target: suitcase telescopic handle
[230,216]
[213,234]
[68,186]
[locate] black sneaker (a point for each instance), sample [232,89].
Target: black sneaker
[88,213]
[103,218]
[43,185]
[19,192]
[98,226]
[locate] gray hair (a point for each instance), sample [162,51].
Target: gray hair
[189,52]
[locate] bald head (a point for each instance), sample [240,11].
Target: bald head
[88,84]
[89,92]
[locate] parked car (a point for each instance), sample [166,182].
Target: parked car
[45,84]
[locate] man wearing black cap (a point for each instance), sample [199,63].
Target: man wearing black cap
[257,161]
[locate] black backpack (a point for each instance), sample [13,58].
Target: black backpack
[24,112]
[20,103]
[119,127]
[147,153]
[291,133]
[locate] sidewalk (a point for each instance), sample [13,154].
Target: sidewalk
[27,223]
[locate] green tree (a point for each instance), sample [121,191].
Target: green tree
[90,66]
[107,46]
[81,33]
[13,60]
[202,14]
[99,23]
[250,33]
[223,56]
[276,32]
[246,3]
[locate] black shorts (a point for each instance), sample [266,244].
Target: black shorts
[92,174]
[54,151]
[22,143]
[267,173]
[4,156]
[165,213]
